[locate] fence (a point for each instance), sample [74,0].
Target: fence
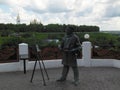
[85,61]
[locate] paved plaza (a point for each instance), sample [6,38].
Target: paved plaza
[94,78]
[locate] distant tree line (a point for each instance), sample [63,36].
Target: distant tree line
[46,28]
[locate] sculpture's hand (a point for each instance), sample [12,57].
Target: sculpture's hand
[69,50]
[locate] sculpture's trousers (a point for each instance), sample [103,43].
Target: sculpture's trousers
[66,70]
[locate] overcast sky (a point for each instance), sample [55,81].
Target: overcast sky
[103,13]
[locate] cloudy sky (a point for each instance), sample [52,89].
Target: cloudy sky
[103,13]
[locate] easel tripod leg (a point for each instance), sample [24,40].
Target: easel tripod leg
[33,71]
[45,70]
[42,74]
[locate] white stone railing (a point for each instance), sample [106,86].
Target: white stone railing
[86,61]
[18,66]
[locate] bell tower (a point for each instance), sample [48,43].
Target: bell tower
[18,19]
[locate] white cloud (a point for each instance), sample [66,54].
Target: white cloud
[104,13]
[109,25]
[6,17]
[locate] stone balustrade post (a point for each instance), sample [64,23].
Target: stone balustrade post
[86,53]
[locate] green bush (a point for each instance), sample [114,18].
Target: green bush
[11,41]
[104,40]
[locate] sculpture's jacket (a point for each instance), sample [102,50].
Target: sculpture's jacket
[70,44]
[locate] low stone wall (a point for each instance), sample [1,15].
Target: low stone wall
[18,66]
[86,61]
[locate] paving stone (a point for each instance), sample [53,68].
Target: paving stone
[92,78]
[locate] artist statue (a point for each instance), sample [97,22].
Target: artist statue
[69,46]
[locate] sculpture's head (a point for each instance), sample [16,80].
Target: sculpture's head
[69,30]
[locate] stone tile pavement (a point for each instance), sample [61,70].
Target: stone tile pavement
[92,78]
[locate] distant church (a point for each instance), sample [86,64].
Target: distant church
[18,19]
[34,21]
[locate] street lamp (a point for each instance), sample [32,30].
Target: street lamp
[23,54]
[86,36]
